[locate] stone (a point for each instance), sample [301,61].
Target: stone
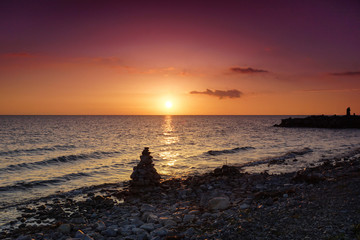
[169,223]
[100,226]
[160,232]
[24,237]
[244,206]
[226,170]
[219,203]
[147,226]
[64,228]
[152,218]
[131,237]
[194,212]
[79,234]
[137,222]
[139,231]
[110,232]
[87,237]
[144,174]
[127,229]
[188,218]
[147,208]
[206,215]
[190,232]
[78,220]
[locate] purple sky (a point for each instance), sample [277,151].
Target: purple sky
[293,41]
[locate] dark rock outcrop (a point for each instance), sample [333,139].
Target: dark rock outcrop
[322,122]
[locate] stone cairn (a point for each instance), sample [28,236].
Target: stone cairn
[144,174]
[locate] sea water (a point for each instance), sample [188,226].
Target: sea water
[46,155]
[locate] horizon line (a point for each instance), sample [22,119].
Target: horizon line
[169,114]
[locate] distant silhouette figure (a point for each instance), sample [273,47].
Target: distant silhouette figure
[348,111]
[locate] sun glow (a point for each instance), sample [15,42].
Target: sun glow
[168,104]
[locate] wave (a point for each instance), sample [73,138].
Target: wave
[63,195]
[37,150]
[42,183]
[57,160]
[279,159]
[226,151]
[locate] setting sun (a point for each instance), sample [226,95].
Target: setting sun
[168,104]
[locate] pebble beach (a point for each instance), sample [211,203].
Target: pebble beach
[320,202]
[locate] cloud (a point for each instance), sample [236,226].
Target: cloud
[248,70]
[234,93]
[346,74]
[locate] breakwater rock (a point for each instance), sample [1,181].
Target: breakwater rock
[322,122]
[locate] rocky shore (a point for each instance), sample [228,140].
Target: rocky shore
[322,202]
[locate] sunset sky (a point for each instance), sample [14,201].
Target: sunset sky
[205,57]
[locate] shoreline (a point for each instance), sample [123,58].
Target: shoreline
[321,202]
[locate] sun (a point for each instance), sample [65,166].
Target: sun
[168,104]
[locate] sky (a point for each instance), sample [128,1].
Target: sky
[260,57]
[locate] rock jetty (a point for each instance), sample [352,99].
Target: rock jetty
[348,121]
[145,174]
[315,203]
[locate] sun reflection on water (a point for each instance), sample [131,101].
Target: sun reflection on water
[169,138]
[168,132]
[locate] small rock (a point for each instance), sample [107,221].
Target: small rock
[110,232]
[194,212]
[79,234]
[190,232]
[169,223]
[206,215]
[139,231]
[152,218]
[147,226]
[78,220]
[64,228]
[24,237]
[127,229]
[189,218]
[219,203]
[244,206]
[269,201]
[160,232]
[147,208]
[131,237]
[137,222]
[87,237]
[100,226]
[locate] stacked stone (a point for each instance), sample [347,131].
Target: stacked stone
[144,173]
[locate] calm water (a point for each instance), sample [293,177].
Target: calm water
[43,155]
